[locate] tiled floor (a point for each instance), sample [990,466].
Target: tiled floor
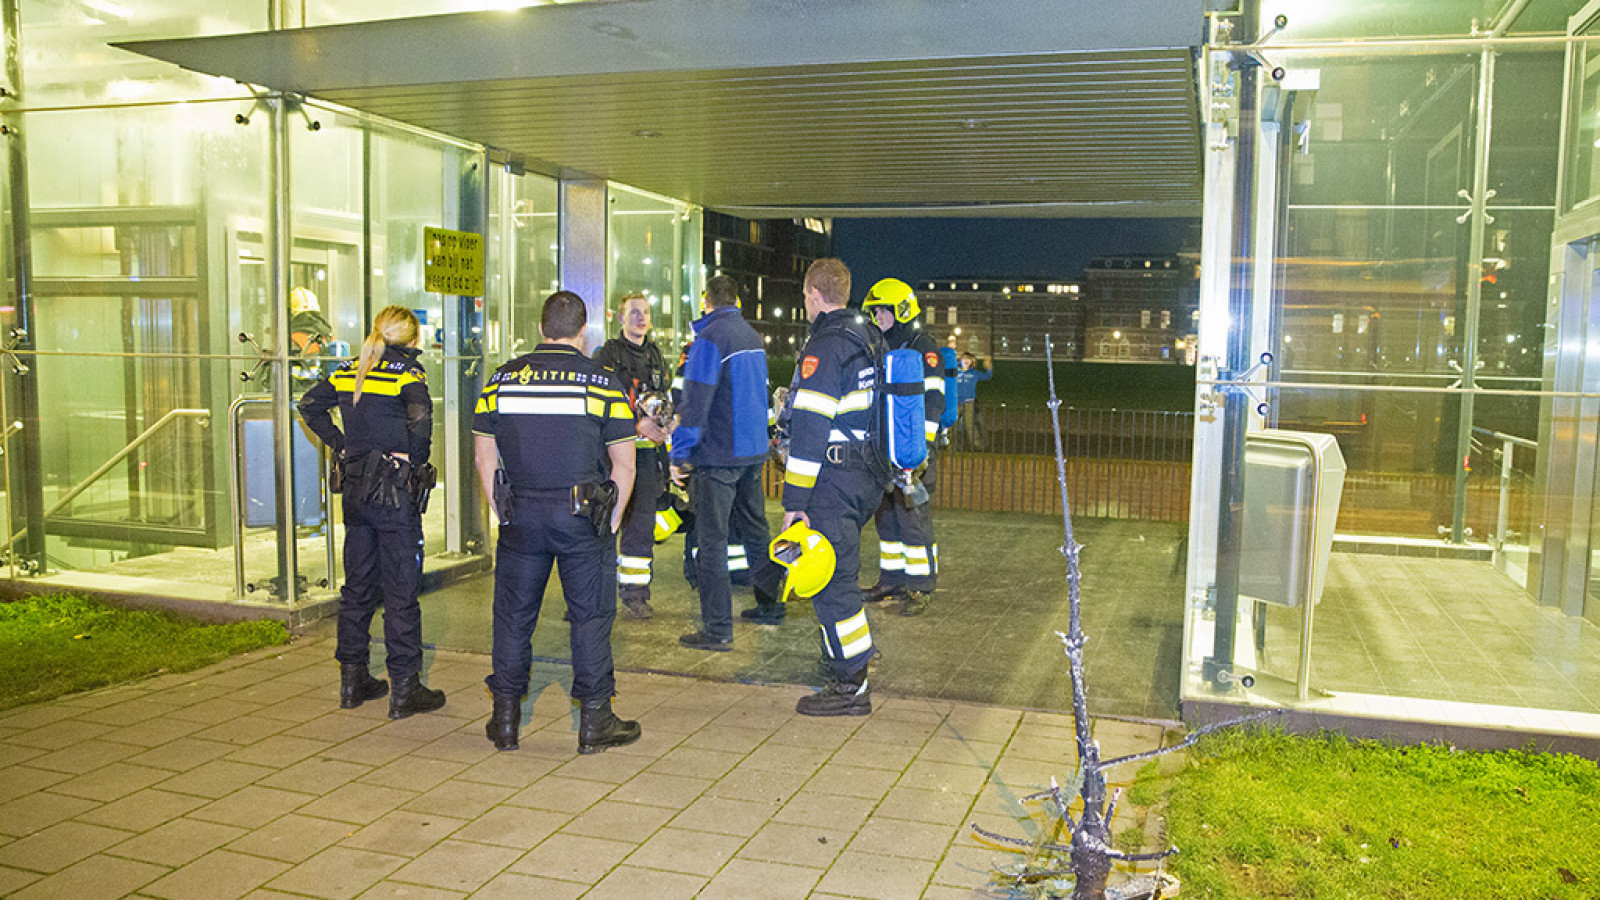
[246,780]
[983,639]
[1439,629]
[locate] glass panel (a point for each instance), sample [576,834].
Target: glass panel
[1408,18]
[646,253]
[1377,289]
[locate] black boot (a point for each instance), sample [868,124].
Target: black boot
[847,696]
[914,603]
[357,686]
[878,593]
[599,727]
[505,723]
[411,696]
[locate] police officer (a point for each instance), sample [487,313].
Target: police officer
[722,435]
[637,361]
[908,556]
[383,401]
[827,482]
[554,442]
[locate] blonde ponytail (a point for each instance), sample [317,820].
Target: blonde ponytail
[392,325]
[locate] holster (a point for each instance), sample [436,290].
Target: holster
[388,480]
[336,473]
[502,496]
[595,501]
[424,479]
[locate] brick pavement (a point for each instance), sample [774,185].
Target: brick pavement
[245,779]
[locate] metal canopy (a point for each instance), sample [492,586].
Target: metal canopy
[786,107]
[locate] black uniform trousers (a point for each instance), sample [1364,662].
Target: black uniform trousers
[908,557]
[382,564]
[841,504]
[543,534]
[726,499]
[636,540]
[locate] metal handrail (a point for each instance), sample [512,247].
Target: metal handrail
[119,456]
[1502,527]
[237,490]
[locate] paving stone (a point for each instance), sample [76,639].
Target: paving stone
[83,757]
[510,769]
[60,733]
[413,774]
[562,794]
[511,826]
[630,883]
[294,838]
[725,816]
[460,799]
[34,812]
[572,857]
[801,845]
[619,821]
[655,789]
[826,810]
[852,781]
[219,875]
[95,878]
[154,732]
[404,833]
[58,846]
[373,749]
[279,751]
[877,877]
[898,837]
[251,807]
[177,842]
[338,873]
[690,852]
[457,865]
[742,879]
[182,754]
[924,806]
[13,880]
[394,890]
[515,886]
[142,810]
[317,775]
[358,803]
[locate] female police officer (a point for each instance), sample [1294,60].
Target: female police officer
[388,426]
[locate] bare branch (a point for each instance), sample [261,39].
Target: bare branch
[1141,857]
[1016,842]
[1189,741]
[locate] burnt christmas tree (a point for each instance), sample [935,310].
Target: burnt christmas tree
[1085,856]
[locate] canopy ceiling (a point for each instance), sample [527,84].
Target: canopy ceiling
[786,107]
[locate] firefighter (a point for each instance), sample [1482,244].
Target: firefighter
[637,361]
[908,555]
[554,448]
[382,451]
[828,482]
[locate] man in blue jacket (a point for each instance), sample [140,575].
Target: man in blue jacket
[722,437]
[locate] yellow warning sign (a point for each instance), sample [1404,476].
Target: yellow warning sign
[452,262]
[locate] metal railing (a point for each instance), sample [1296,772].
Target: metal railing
[1509,474]
[172,415]
[1121,464]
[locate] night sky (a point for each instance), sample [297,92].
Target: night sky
[1003,249]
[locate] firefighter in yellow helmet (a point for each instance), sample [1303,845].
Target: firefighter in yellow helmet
[908,555]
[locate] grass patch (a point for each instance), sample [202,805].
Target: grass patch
[57,645]
[1263,814]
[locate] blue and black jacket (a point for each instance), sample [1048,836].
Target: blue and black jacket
[722,417]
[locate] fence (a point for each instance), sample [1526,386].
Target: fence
[1121,464]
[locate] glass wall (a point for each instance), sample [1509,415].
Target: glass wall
[1400,294]
[653,246]
[156,350]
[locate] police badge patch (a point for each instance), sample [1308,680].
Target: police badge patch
[808,367]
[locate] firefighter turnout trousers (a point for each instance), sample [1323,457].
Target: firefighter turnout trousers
[636,540]
[840,505]
[908,556]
